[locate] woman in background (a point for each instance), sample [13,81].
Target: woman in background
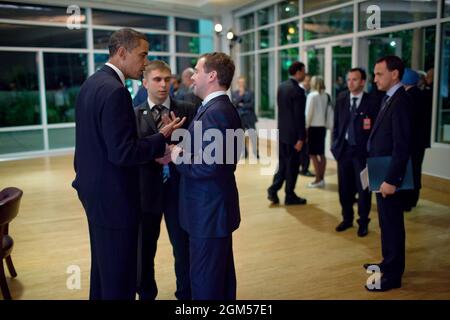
[316,118]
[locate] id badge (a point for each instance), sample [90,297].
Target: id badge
[367,124]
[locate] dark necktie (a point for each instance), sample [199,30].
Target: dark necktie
[379,116]
[158,111]
[351,138]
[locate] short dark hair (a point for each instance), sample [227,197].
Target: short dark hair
[393,63]
[125,37]
[296,66]
[222,64]
[361,71]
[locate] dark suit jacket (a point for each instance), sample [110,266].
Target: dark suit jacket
[150,175]
[422,112]
[245,106]
[291,100]
[368,109]
[209,201]
[108,151]
[392,135]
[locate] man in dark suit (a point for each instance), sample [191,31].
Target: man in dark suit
[291,100]
[107,155]
[422,111]
[159,186]
[354,116]
[209,201]
[391,136]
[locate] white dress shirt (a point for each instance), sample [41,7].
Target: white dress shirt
[117,70]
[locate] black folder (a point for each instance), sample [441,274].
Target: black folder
[378,168]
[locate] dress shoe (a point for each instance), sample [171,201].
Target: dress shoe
[294,200]
[363,230]
[273,198]
[344,225]
[367,265]
[386,285]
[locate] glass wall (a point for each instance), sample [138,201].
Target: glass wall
[267,85]
[43,63]
[443,110]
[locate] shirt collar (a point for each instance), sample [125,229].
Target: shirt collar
[166,103]
[394,89]
[117,70]
[359,96]
[212,95]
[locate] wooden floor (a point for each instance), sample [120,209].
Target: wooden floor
[280,252]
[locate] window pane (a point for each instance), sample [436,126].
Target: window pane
[446,8]
[248,70]
[61,138]
[267,38]
[115,18]
[206,28]
[21,141]
[19,92]
[341,64]
[266,15]
[328,24]
[163,58]
[287,9]
[247,22]
[36,12]
[186,25]
[398,12]
[185,62]
[14,35]
[311,5]
[267,85]
[286,58]
[64,75]
[443,113]
[289,33]
[316,61]
[99,60]
[248,42]
[158,42]
[188,44]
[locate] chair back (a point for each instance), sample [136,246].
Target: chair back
[9,205]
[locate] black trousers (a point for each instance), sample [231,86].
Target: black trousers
[113,263]
[390,215]
[149,231]
[412,196]
[213,274]
[349,184]
[288,159]
[304,158]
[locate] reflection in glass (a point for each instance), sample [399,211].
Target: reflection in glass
[287,9]
[186,25]
[64,75]
[443,110]
[289,33]
[247,68]
[248,42]
[265,16]
[21,141]
[398,12]
[247,22]
[15,35]
[341,64]
[311,5]
[328,24]
[125,19]
[286,58]
[267,38]
[267,85]
[188,44]
[19,91]
[36,12]
[316,61]
[61,138]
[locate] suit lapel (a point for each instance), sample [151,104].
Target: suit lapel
[148,117]
[383,112]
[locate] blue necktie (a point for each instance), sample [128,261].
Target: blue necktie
[166,173]
[351,137]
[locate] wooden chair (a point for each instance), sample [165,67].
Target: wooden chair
[9,207]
